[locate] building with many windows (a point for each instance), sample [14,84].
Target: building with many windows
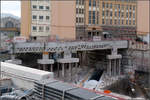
[79,19]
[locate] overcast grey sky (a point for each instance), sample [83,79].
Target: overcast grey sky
[12,7]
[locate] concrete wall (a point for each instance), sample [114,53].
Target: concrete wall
[143,17]
[63,19]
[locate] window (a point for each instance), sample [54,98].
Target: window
[133,7]
[40,7]
[107,5]
[122,7]
[126,22]
[89,17]
[119,13]
[41,29]
[115,21]
[119,6]
[82,11]
[130,14]
[127,14]
[127,7]
[89,2]
[47,17]
[93,17]
[103,21]
[77,10]
[34,28]
[133,15]
[77,20]
[80,20]
[77,1]
[130,7]
[122,22]
[34,17]
[41,17]
[103,5]
[110,21]
[111,5]
[47,28]
[94,3]
[129,22]
[34,7]
[103,13]
[80,2]
[122,14]
[97,17]
[133,22]
[47,7]
[119,22]
[111,13]
[116,14]
[107,12]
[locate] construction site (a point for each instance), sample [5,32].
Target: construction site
[77,50]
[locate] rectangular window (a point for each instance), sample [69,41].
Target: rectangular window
[41,28]
[122,22]
[89,17]
[127,14]
[34,28]
[77,2]
[107,12]
[103,13]
[34,7]
[103,5]
[103,21]
[126,22]
[41,17]
[97,17]
[47,7]
[79,11]
[47,17]
[133,22]
[116,14]
[133,7]
[89,2]
[47,28]
[115,21]
[107,5]
[129,22]
[122,7]
[119,13]
[130,7]
[122,14]
[34,17]
[130,14]
[111,5]
[77,20]
[133,15]
[110,21]
[119,22]
[119,6]
[111,13]
[93,17]
[82,11]
[41,7]
[80,20]
[127,7]
[94,3]
[76,10]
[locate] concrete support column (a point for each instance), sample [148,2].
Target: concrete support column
[63,70]
[70,70]
[109,67]
[115,69]
[76,66]
[44,67]
[58,69]
[119,66]
[51,67]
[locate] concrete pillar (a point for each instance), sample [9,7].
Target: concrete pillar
[115,72]
[63,70]
[109,67]
[58,69]
[44,67]
[51,67]
[76,66]
[119,66]
[39,67]
[70,70]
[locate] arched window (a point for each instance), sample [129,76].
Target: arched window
[9,24]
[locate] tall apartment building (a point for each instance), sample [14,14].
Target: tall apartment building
[78,19]
[43,18]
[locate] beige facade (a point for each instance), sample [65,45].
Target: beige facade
[25,18]
[63,19]
[143,17]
